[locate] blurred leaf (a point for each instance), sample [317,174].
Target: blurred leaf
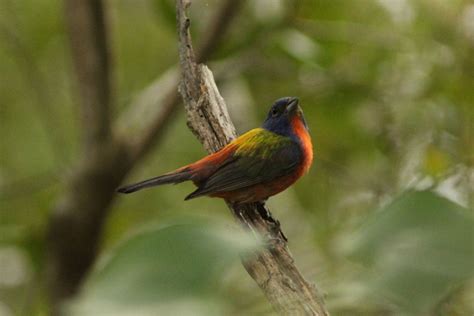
[299,46]
[416,248]
[267,11]
[436,162]
[174,269]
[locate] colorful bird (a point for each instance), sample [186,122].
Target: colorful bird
[258,164]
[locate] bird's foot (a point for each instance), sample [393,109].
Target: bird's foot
[276,234]
[266,215]
[264,212]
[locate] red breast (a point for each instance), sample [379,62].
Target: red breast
[301,132]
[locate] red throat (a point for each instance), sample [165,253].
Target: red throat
[302,133]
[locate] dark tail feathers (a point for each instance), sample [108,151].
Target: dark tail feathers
[176,177]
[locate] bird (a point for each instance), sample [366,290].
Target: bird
[253,167]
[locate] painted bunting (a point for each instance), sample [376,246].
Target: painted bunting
[258,164]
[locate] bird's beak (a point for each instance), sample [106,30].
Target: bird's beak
[292,106]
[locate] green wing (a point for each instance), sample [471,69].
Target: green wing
[260,158]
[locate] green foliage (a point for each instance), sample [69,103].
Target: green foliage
[173,269]
[416,249]
[387,90]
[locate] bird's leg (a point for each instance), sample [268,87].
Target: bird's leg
[266,215]
[263,211]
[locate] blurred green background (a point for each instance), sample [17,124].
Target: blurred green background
[383,222]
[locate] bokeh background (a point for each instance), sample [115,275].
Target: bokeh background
[383,222]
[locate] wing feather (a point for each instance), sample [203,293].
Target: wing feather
[265,162]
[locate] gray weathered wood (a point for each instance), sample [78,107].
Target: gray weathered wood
[272,267]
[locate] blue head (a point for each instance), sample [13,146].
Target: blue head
[281,115]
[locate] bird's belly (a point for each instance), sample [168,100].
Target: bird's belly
[258,192]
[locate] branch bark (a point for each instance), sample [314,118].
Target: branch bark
[87,26]
[273,267]
[110,150]
[76,221]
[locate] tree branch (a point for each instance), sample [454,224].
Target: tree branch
[77,219]
[87,27]
[272,267]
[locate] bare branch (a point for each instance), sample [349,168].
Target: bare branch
[76,222]
[273,267]
[143,123]
[77,219]
[87,27]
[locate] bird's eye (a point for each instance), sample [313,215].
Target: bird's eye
[274,112]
